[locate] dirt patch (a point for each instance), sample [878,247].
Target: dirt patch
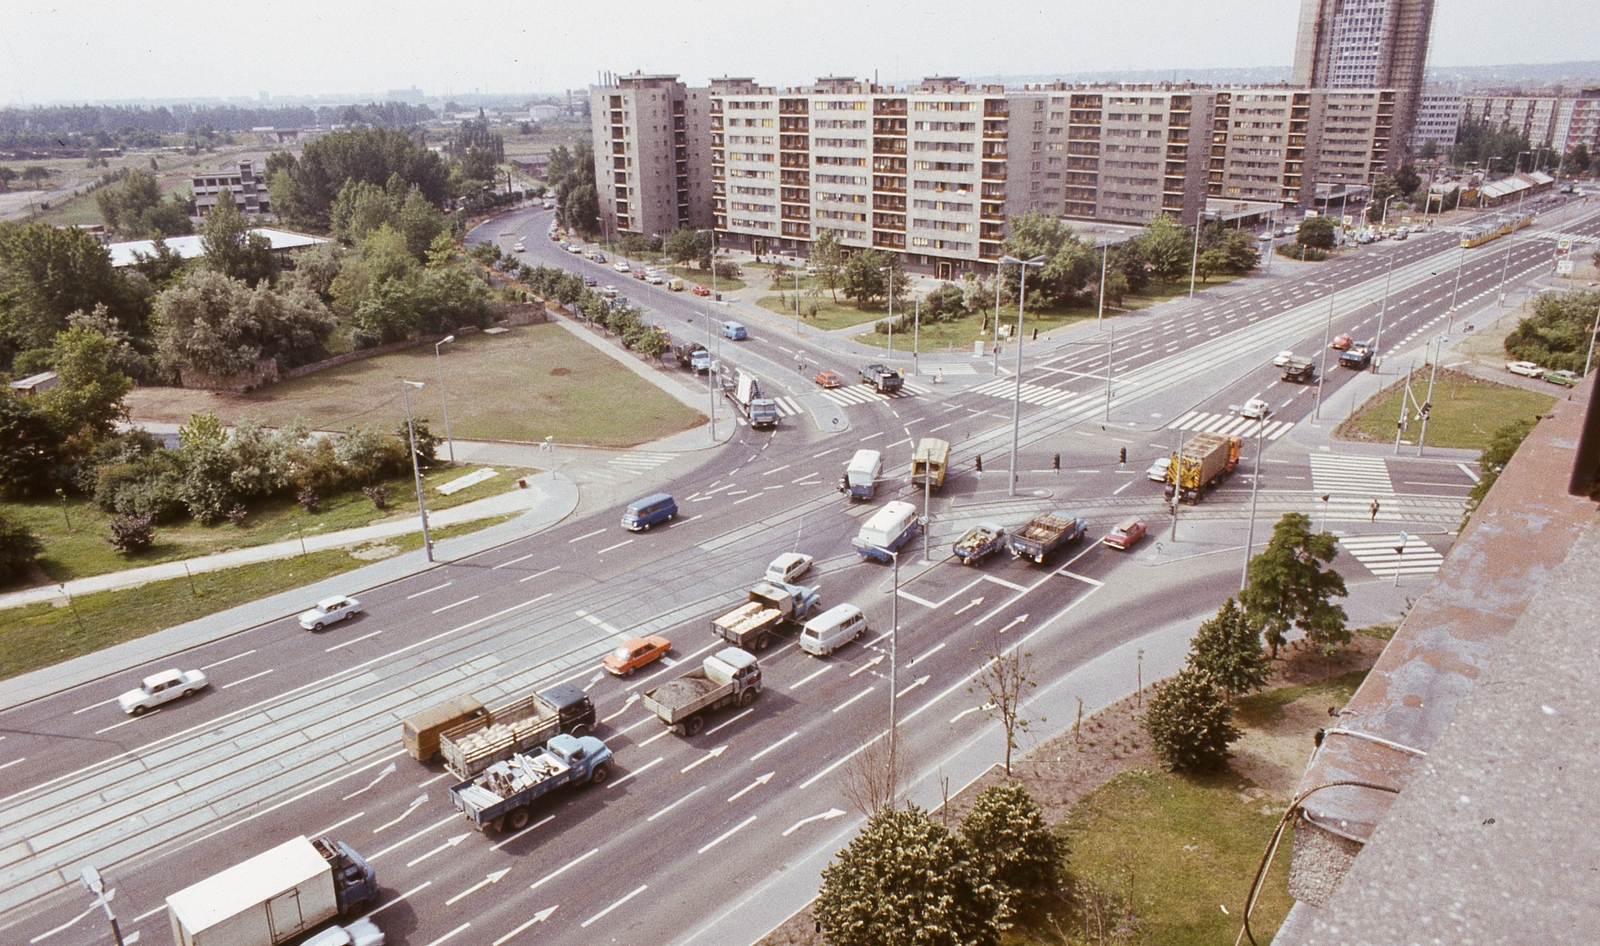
[559,372]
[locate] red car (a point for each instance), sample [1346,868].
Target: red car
[638,274]
[827,379]
[1341,341]
[700,290]
[635,652]
[1125,534]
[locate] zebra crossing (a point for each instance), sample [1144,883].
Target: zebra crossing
[631,464]
[1346,475]
[1573,238]
[1377,554]
[1036,394]
[788,406]
[1231,424]
[866,394]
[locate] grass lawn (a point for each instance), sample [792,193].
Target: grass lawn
[1158,291]
[84,551]
[42,635]
[1466,411]
[830,315]
[533,382]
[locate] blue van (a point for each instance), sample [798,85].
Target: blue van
[734,331]
[648,511]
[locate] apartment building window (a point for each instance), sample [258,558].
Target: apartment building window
[952,166]
[941,187]
[755,156]
[950,206]
[840,123]
[841,198]
[840,178]
[944,106]
[837,106]
[751,224]
[941,225]
[756,191]
[957,146]
[944,126]
[952,245]
[839,142]
[836,160]
[841,215]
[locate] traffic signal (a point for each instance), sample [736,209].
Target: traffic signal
[1055,462]
[1122,455]
[977,463]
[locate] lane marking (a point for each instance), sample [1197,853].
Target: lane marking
[544,821]
[248,679]
[639,771]
[329,650]
[916,660]
[676,803]
[727,834]
[773,746]
[640,889]
[588,535]
[617,546]
[563,869]
[760,781]
[449,934]
[730,722]
[227,659]
[513,561]
[536,575]
[447,819]
[539,917]
[430,591]
[854,698]
[456,605]
[807,679]
[115,698]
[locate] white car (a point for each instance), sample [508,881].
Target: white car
[1525,368]
[788,567]
[362,932]
[159,688]
[622,266]
[1158,469]
[328,611]
[1254,409]
[1282,359]
[519,247]
[654,279]
[575,248]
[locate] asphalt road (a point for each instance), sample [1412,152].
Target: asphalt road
[298,731]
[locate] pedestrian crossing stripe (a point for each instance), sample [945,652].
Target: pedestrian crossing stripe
[863,394]
[1231,424]
[1350,475]
[1377,553]
[1573,237]
[787,407]
[1031,393]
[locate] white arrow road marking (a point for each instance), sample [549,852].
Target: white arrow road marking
[450,843]
[539,917]
[449,934]
[869,664]
[388,770]
[676,803]
[916,683]
[67,925]
[762,780]
[773,746]
[1014,622]
[493,878]
[922,657]
[563,869]
[828,815]
[640,889]
[447,819]
[632,699]
[705,758]
[727,834]
[420,799]
[973,709]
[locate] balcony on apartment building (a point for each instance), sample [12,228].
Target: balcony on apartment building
[890,165]
[794,143]
[795,178]
[992,210]
[990,251]
[888,146]
[794,195]
[991,231]
[889,184]
[792,124]
[793,106]
[889,221]
[888,240]
[794,159]
[994,150]
[889,107]
[798,230]
[889,202]
[996,108]
[889,126]
[994,170]
[996,128]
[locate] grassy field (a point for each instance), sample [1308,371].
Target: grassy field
[84,551]
[1466,411]
[830,315]
[42,635]
[533,382]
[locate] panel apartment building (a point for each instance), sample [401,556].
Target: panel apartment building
[1551,121]
[1366,44]
[934,170]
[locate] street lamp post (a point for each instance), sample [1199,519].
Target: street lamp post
[1255,484]
[1317,413]
[997,320]
[1194,257]
[96,886]
[1111,345]
[890,271]
[711,381]
[1377,341]
[1100,313]
[1383,218]
[416,467]
[1016,403]
[916,336]
[894,665]
[437,363]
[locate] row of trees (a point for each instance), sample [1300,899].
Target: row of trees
[621,319]
[132,204]
[305,188]
[1560,330]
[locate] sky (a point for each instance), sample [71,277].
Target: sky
[93,50]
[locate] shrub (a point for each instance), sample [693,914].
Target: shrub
[132,534]
[1188,723]
[308,499]
[151,485]
[237,514]
[378,494]
[18,549]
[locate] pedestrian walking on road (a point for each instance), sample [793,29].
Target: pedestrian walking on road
[1374,510]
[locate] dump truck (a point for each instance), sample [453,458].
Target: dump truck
[885,531]
[887,380]
[515,727]
[274,896]
[501,796]
[752,624]
[1358,355]
[979,542]
[860,478]
[1045,533]
[1299,370]
[728,676]
[744,390]
[692,355]
[1206,458]
[929,461]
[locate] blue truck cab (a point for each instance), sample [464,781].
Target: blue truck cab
[734,331]
[644,513]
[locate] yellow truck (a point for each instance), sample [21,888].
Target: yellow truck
[1206,458]
[929,462]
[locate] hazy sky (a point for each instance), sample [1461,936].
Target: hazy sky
[78,50]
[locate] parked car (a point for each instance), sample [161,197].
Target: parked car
[328,611]
[574,248]
[1125,534]
[519,247]
[1525,368]
[1282,359]
[590,281]
[159,688]
[827,379]
[700,290]
[565,245]
[1341,341]
[1158,469]
[622,266]
[599,257]
[1254,409]
[634,653]
[654,279]
[1568,378]
[788,566]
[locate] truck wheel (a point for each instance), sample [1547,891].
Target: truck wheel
[763,642]
[693,725]
[580,730]
[748,697]
[601,773]
[517,819]
[138,710]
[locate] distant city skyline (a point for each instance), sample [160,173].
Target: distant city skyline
[77,51]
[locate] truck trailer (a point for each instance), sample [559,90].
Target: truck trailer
[744,390]
[885,531]
[515,727]
[1205,460]
[274,896]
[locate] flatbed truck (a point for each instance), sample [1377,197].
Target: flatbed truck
[517,726]
[1045,533]
[770,603]
[728,676]
[501,797]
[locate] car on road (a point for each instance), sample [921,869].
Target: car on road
[1525,368]
[1254,409]
[654,279]
[549,205]
[734,331]
[159,688]
[519,247]
[700,290]
[638,274]
[329,611]
[788,566]
[622,266]
[1282,359]
[574,247]
[1158,469]
[599,257]
[636,652]
[590,281]
[362,932]
[1127,532]
[1568,378]
[828,379]
[1341,341]
[609,292]
[565,245]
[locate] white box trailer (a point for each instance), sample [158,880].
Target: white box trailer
[272,897]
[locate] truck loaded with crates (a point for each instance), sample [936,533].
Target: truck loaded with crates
[515,727]
[1045,533]
[501,796]
[751,625]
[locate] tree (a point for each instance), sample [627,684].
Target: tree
[18,549]
[1384,188]
[87,400]
[46,274]
[681,245]
[1580,157]
[865,279]
[827,258]
[1317,233]
[872,779]
[478,164]
[1165,247]
[1228,649]
[31,448]
[208,490]
[1013,847]
[1429,149]
[905,879]
[1005,679]
[1407,180]
[1557,334]
[219,326]
[1069,263]
[303,189]
[1288,586]
[7,175]
[231,249]
[1503,444]
[1188,723]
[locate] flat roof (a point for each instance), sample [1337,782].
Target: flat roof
[266,875]
[190,247]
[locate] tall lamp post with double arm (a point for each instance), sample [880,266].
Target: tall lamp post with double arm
[1016,403]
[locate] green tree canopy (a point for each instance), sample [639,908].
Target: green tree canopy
[231,249]
[46,274]
[1557,334]
[1013,847]
[31,448]
[1189,723]
[87,399]
[303,189]
[827,258]
[1228,649]
[1166,247]
[220,326]
[1317,233]
[135,206]
[18,549]
[1289,587]
[867,275]
[1407,180]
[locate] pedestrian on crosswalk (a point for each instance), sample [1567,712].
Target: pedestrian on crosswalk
[1374,510]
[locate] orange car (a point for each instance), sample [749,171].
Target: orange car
[1125,534]
[1341,341]
[827,379]
[636,652]
[700,290]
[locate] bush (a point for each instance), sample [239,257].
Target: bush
[151,485]
[1188,723]
[1306,254]
[1014,847]
[18,549]
[378,494]
[132,534]
[368,454]
[308,499]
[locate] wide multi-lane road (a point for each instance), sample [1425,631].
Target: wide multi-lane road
[298,733]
